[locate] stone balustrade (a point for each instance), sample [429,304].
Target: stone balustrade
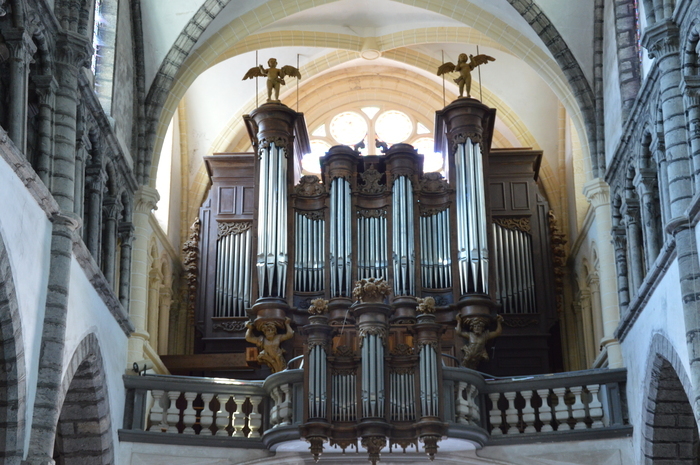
[260,414]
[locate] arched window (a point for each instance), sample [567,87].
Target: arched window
[104,35]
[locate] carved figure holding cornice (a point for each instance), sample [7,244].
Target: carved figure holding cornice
[371,290]
[465,65]
[475,330]
[275,77]
[270,353]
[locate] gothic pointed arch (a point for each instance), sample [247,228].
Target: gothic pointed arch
[12,377]
[84,433]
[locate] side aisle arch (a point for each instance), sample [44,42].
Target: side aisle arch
[12,374]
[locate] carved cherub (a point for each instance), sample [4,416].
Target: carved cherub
[271,354]
[478,335]
[464,67]
[275,76]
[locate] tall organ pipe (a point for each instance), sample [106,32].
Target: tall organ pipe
[272,257]
[471,216]
[233,268]
[403,238]
[340,243]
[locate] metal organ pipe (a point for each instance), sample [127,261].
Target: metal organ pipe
[435,251]
[514,270]
[404,241]
[341,245]
[233,268]
[471,215]
[308,266]
[272,256]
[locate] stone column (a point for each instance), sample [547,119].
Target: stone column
[628,65]
[48,406]
[164,320]
[587,327]
[82,146]
[145,200]
[126,234]
[630,213]
[662,41]
[597,314]
[46,87]
[646,185]
[690,88]
[22,49]
[72,52]
[92,232]
[623,286]
[112,209]
[598,194]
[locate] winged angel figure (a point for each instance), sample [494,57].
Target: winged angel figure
[464,67]
[275,76]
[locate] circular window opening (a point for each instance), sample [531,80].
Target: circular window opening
[432,161]
[393,126]
[348,128]
[310,162]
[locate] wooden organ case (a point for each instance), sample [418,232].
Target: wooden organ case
[476,241]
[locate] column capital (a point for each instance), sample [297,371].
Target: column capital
[112,207]
[145,199]
[73,49]
[46,86]
[21,45]
[661,39]
[690,88]
[67,220]
[597,192]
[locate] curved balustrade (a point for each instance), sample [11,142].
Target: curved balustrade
[206,411]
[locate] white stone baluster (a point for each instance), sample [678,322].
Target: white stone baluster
[222,416]
[545,411]
[274,407]
[189,416]
[495,414]
[528,412]
[462,407]
[511,413]
[156,415]
[285,406]
[254,419]
[561,410]
[206,418]
[595,407]
[578,409]
[238,419]
[173,412]
[474,414]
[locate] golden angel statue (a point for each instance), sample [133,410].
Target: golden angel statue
[464,67]
[275,76]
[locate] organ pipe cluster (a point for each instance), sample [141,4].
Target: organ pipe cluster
[436,261]
[514,270]
[404,241]
[310,253]
[233,274]
[340,238]
[272,222]
[472,243]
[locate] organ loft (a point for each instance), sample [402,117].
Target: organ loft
[375,275]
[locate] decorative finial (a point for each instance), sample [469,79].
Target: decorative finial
[318,307]
[426,305]
[371,290]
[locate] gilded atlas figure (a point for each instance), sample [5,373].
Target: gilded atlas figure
[465,65]
[475,330]
[270,353]
[275,77]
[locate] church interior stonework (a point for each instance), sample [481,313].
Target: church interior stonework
[349,231]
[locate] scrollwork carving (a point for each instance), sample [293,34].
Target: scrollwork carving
[190,255]
[372,213]
[434,183]
[371,178]
[519,224]
[227,229]
[309,186]
[230,326]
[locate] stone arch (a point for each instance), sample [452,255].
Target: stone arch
[12,377]
[669,426]
[84,432]
[160,96]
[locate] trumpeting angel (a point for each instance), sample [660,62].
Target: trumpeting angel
[275,76]
[465,65]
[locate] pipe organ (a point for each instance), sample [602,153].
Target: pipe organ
[374,262]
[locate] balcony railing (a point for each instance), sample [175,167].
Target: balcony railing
[258,414]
